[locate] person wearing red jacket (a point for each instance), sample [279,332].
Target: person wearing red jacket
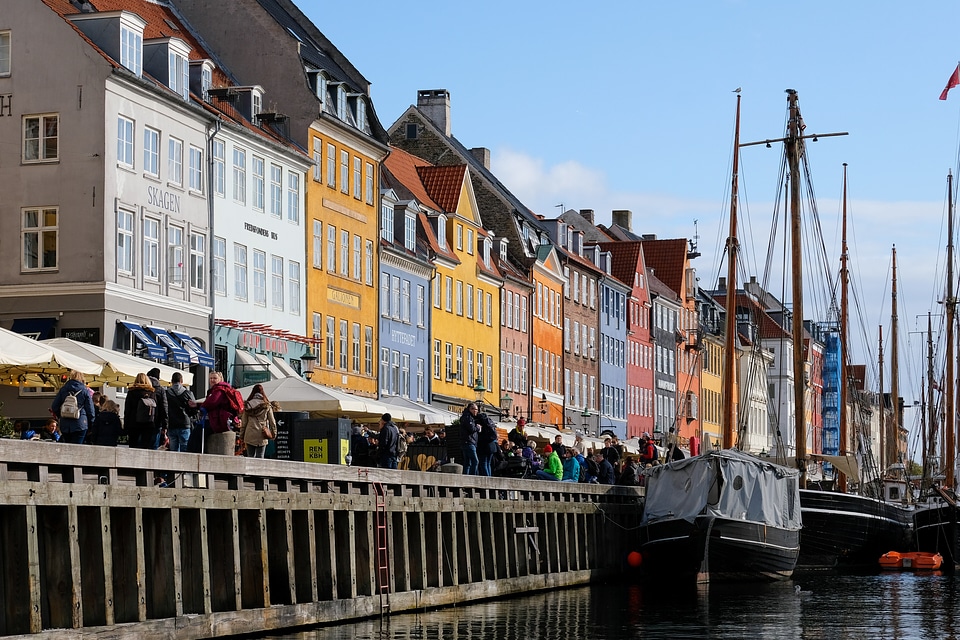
[222,412]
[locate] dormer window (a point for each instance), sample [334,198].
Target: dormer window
[442,231]
[320,88]
[131,43]
[487,245]
[342,102]
[179,70]
[256,98]
[201,78]
[386,220]
[503,249]
[361,113]
[409,231]
[562,234]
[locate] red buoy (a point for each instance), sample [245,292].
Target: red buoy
[634,559]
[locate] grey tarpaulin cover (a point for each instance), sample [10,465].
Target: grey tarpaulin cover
[765,492]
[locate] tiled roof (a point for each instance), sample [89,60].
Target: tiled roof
[444,184]
[658,287]
[627,258]
[403,167]
[667,258]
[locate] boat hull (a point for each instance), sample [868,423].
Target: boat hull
[713,549]
[937,530]
[842,530]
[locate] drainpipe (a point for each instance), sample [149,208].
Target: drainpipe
[211,340]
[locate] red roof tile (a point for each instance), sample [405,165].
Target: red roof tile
[668,259]
[403,166]
[627,258]
[444,184]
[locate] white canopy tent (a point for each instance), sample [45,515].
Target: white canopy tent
[297,394]
[118,369]
[24,361]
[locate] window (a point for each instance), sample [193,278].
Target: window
[131,49]
[355,344]
[368,350]
[469,296]
[240,175]
[175,161]
[175,256]
[395,372]
[409,231]
[436,291]
[4,53]
[41,138]
[361,114]
[470,377]
[198,252]
[179,78]
[342,102]
[448,289]
[240,271]
[331,352]
[344,338]
[384,295]
[356,258]
[489,310]
[331,248]
[448,358]
[357,183]
[206,80]
[151,152]
[259,278]
[276,284]
[317,244]
[293,197]
[394,288]
[39,233]
[344,172]
[459,364]
[196,167]
[470,241]
[331,166]
[276,190]
[219,168]
[219,266]
[368,263]
[459,298]
[125,142]
[294,284]
[317,159]
[344,252]
[421,305]
[368,180]
[442,231]
[479,305]
[151,249]
[420,379]
[385,371]
[436,359]
[386,221]
[405,301]
[125,242]
[459,237]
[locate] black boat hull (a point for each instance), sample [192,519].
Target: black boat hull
[937,530]
[842,530]
[713,549]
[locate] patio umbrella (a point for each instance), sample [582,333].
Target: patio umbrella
[297,394]
[118,369]
[32,363]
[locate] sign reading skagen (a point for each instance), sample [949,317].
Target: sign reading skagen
[163,199]
[343,297]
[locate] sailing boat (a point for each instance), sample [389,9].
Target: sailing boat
[723,516]
[841,528]
[936,523]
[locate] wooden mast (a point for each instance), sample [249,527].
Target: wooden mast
[792,147]
[949,424]
[883,412]
[930,435]
[844,310]
[729,417]
[893,432]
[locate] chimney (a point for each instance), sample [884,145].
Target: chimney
[587,214]
[623,218]
[435,104]
[482,154]
[722,283]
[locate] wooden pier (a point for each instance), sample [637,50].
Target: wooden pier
[90,544]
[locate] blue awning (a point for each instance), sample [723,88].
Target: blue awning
[36,328]
[153,349]
[178,352]
[198,354]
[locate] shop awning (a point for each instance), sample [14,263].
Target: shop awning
[177,351]
[198,355]
[36,328]
[285,367]
[153,350]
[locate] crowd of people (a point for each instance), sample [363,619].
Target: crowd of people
[157,417]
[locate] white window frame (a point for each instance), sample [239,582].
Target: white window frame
[175,255]
[368,350]
[218,254]
[198,256]
[257,170]
[259,278]
[293,283]
[240,259]
[126,251]
[37,234]
[317,159]
[175,161]
[293,197]
[331,249]
[344,171]
[5,54]
[386,221]
[317,244]
[151,249]
[357,265]
[196,169]
[125,142]
[344,253]
[369,178]
[409,231]
[276,282]
[357,177]
[131,48]
[240,175]
[331,166]
[151,152]
[40,142]
[219,168]
[276,190]
[368,263]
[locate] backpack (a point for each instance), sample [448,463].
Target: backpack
[70,407]
[583,471]
[146,409]
[235,399]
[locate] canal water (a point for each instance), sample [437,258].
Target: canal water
[886,605]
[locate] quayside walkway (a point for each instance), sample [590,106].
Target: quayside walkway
[90,544]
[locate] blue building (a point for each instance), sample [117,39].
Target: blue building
[612,347]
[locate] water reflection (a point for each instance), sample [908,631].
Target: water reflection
[891,605]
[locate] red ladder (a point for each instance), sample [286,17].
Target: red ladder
[383,550]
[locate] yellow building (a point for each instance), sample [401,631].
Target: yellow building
[465,323]
[342,226]
[711,385]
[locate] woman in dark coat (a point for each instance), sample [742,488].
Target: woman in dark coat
[141,434]
[74,430]
[106,428]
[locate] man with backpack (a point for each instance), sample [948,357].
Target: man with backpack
[182,407]
[223,405]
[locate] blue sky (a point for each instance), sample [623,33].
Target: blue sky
[629,105]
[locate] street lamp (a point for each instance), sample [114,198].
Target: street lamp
[505,403]
[479,389]
[308,362]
